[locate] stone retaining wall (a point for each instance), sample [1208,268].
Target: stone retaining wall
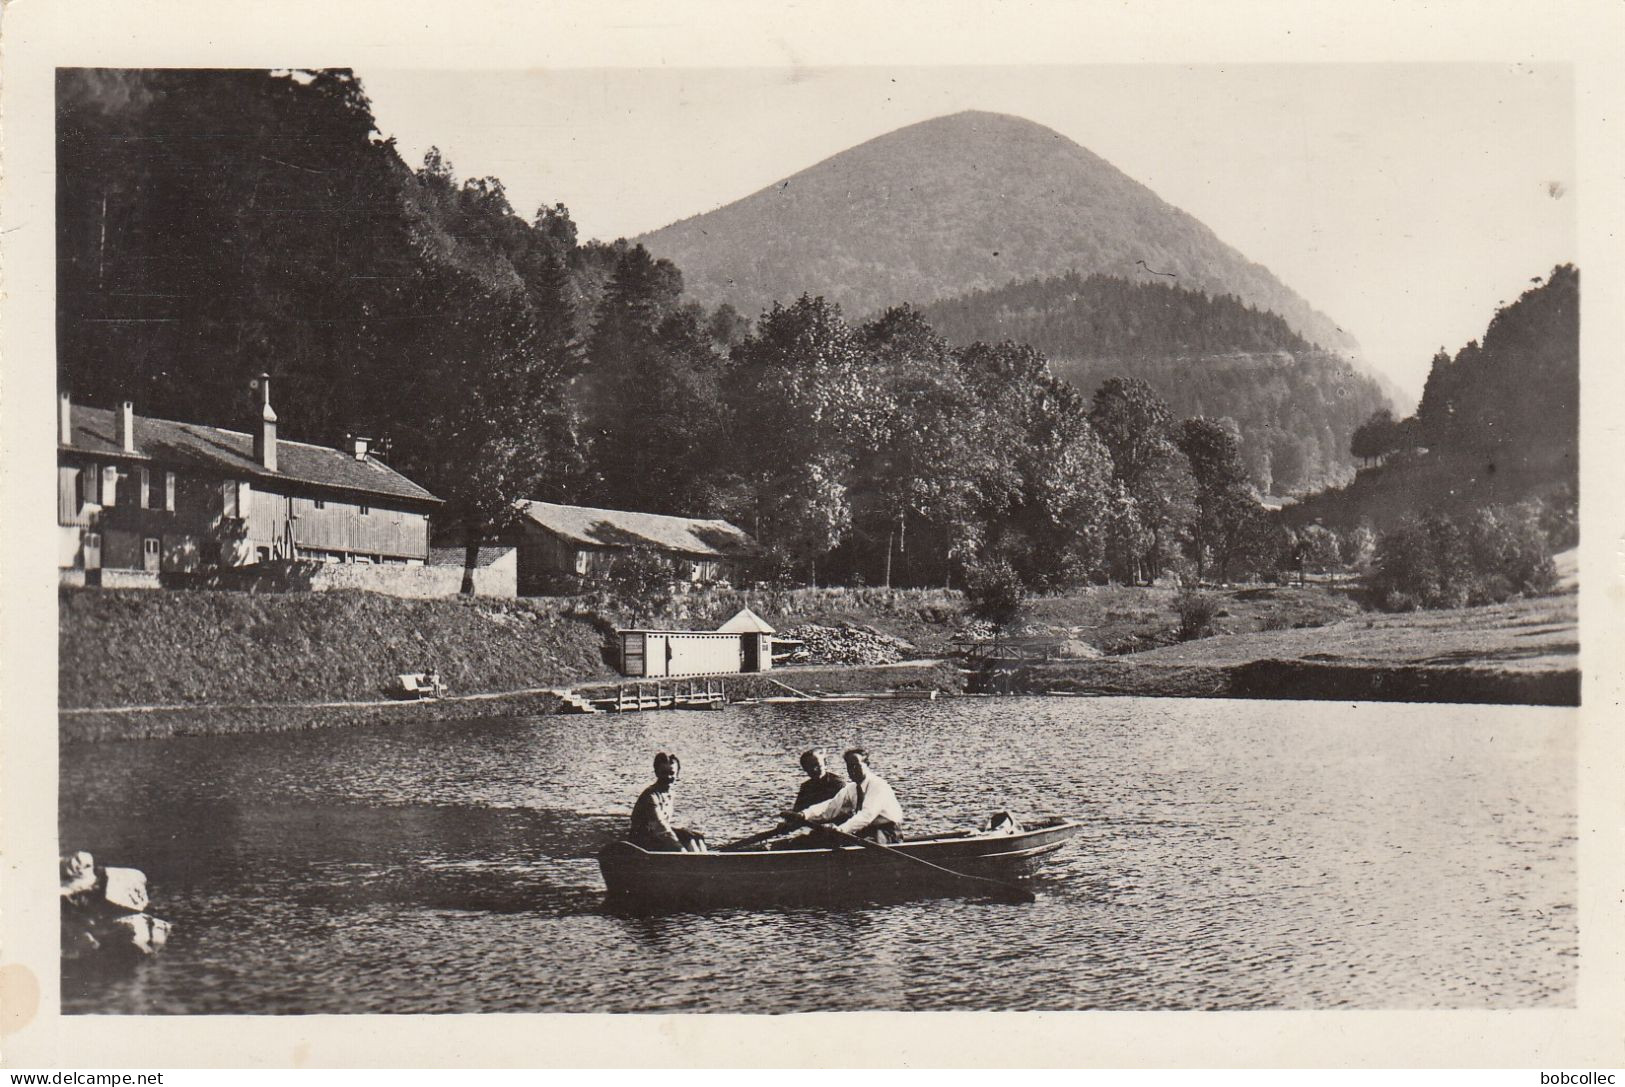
[414,582]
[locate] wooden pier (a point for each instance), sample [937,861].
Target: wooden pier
[693,694]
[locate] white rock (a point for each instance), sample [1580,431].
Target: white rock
[126,888]
[137,932]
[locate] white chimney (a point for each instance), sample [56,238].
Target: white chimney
[356,446]
[265,435]
[126,427]
[64,418]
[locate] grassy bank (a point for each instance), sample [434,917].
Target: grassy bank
[140,648]
[1524,652]
[95,725]
[134,647]
[139,664]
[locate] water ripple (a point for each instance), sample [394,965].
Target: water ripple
[1236,855]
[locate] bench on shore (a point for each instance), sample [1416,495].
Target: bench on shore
[418,685]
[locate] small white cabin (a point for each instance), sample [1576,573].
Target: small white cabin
[742,644]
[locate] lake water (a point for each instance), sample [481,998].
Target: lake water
[1236,855]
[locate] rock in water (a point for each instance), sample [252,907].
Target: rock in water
[104,912]
[138,933]
[125,888]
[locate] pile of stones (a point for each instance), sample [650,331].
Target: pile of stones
[848,643]
[104,912]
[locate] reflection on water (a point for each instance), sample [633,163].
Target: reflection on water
[1237,855]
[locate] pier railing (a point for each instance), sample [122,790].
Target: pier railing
[659,695]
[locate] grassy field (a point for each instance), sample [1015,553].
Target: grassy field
[1539,634]
[1521,652]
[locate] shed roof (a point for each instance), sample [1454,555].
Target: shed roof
[458,556]
[745,621]
[231,452]
[626,529]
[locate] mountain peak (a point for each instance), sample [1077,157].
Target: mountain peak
[966,201]
[984,120]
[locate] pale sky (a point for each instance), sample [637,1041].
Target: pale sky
[1405,201]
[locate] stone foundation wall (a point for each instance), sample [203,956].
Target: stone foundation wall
[412,582]
[128,579]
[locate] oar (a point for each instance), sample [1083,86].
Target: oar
[746,843]
[1008,888]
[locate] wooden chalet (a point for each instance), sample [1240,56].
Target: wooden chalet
[140,497]
[559,543]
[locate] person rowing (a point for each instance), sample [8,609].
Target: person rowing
[866,806]
[651,815]
[822,784]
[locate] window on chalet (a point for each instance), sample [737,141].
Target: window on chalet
[236,495]
[319,503]
[364,509]
[169,491]
[110,477]
[145,482]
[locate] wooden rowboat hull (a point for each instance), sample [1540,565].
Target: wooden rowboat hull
[849,873]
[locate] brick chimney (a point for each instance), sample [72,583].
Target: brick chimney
[356,446]
[265,435]
[64,418]
[126,427]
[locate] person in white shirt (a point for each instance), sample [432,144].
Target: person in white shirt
[867,806]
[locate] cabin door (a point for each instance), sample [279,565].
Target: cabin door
[632,661]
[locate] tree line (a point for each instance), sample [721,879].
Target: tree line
[215,224]
[1510,403]
[1468,497]
[1296,406]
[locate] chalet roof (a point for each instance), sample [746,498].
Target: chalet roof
[745,621]
[458,556]
[230,452]
[624,529]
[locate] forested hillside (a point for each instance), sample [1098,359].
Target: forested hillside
[1498,423]
[958,203]
[212,225]
[1296,406]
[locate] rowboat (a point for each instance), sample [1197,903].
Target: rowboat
[638,876]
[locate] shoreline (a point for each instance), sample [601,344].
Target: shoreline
[1264,680]
[1303,680]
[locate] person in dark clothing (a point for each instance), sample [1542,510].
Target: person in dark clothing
[821,783]
[866,808]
